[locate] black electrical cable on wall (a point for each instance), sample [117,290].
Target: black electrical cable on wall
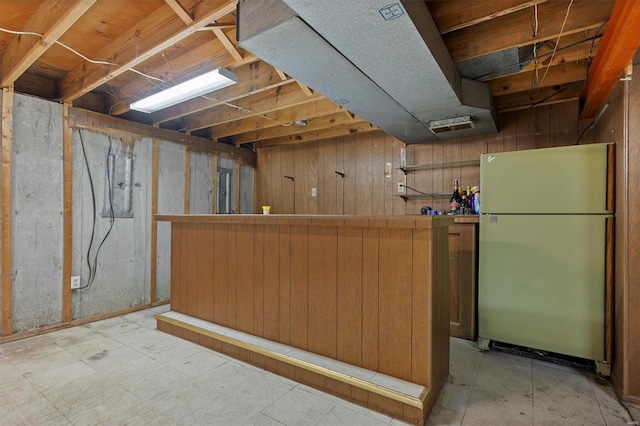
[93,266]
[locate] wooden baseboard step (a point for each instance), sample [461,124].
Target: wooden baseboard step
[397,398]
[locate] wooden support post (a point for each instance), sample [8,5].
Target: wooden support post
[67,218]
[6,182]
[214,183]
[187,179]
[155,159]
[236,187]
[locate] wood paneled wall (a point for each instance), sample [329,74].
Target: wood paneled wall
[368,292]
[619,124]
[365,190]
[542,127]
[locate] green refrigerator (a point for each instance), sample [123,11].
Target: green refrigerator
[543,245]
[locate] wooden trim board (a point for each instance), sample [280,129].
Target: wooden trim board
[6,195]
[67,219]
[155,159]
[297,362]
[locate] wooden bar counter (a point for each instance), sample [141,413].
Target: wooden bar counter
[369,292]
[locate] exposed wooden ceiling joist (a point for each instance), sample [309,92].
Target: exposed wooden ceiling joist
[533,98]
[454,15]
[252,79]
[51,20]
[187,65]
[311,125]
[171,41]
[280,117]
[518,28]
[263,103]
[341,130]
[179,10]
[149,37]
[534,80]
[619,44]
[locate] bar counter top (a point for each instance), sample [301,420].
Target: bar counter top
[423,221]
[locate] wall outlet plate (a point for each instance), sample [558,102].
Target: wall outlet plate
[400,187]
[75,282]
[314,192]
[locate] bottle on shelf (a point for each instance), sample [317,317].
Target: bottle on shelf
[455,197]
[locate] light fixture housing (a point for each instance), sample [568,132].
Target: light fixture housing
[198,86]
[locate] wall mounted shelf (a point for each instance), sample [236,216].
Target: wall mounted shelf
[422,196]
[452,164]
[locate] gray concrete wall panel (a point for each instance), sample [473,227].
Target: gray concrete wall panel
[37,213]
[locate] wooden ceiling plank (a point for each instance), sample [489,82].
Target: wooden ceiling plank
[52,19]
[265,102]
[620,42]
[523,81]
[150,36]
[180,11]
[228,44]
[312,125]
[514,30]
[574,47]
[334,131]
[537,97]
[307,111]
[196,61]
[253,78]
[454,15]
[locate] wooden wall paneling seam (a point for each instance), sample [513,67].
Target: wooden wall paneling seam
[155,160]
[271,282]
[7,209]
[232,275]
[191,268]
[395,266]
[67,218]
[349,295]
[258,281]
[245,249]
[299,285]
[284,285]
[204,272]
[220,244]
[370,299]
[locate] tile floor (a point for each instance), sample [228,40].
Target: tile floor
[121,371]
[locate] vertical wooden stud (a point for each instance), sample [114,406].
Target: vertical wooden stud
[155,159]
[6,181]
[236,184]
[187,179]
[67,218]
[214,183]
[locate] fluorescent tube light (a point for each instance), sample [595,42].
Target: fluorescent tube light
[189,89]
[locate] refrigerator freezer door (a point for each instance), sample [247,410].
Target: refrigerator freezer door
[541,282]
[554,180]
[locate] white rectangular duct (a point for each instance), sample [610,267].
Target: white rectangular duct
[384,62]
